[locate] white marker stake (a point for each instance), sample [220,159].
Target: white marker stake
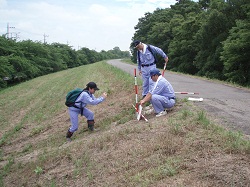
[139,112]
[195,99]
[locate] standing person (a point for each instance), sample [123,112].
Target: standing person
[162,95]
[86,97]
[146,60]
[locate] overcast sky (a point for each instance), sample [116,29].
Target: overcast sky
[95,24]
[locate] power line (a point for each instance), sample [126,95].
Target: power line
[16,35]
[28,32]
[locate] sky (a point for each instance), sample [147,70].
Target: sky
[95,24]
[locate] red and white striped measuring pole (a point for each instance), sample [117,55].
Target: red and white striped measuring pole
[191,93]
[136,99]
[136,88]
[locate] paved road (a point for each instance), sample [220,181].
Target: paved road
[230,105]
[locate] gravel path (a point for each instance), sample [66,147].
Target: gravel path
[230,105]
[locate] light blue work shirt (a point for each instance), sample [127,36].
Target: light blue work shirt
[163,87]
[147,57]
[86,98]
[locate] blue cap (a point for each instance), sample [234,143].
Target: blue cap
[136,42]
[154,72]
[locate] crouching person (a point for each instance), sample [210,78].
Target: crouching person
[162,95]
[85,98]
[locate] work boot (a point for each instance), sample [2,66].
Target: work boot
[91,125]
[68,135]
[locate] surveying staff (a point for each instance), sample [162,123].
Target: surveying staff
[146,60]
[86,97]
[162,95]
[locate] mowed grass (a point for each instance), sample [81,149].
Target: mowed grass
[184,148]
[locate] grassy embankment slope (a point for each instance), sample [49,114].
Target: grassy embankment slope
[184,148]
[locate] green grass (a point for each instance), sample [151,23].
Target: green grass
[125,152]
[41,99]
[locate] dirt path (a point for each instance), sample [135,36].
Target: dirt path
[230,105]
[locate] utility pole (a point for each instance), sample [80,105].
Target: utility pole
[8,30]
[17,35]
[44,36]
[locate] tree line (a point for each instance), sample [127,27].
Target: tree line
[209,38]
[25,60]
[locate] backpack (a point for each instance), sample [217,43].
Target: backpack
[72,96]
[151,50]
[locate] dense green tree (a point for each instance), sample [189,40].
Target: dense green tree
[7,47]
[32,49]
[197,39]
[6,71]
[204,4]
[218,19]
[182,49]
[160,29]
[236,53]
[115,53]
[184,7]
[23,68]
[66,54]
[208,40]
[24,60]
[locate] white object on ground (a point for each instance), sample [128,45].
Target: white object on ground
[195,99]
[139,112]
[192,93]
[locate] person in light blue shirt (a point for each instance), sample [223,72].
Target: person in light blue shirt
[162,95]
[146,60]
[85,98]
